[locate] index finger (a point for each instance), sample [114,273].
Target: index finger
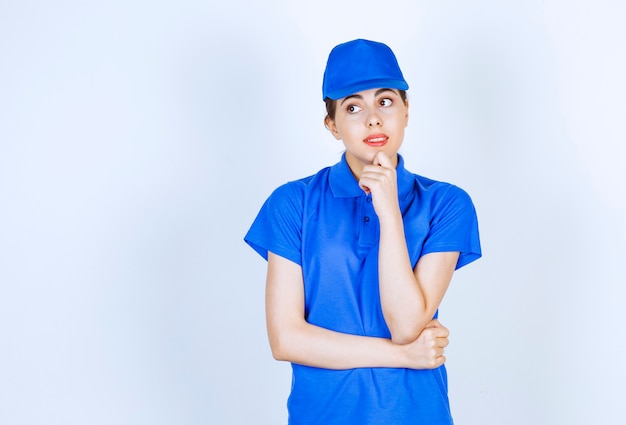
[383,160]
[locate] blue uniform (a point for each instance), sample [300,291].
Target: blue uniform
[327,225]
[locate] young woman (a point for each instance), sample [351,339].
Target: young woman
[360,256]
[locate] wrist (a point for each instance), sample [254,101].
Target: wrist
[391,217]
[400,355]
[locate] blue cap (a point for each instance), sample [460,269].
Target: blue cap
[361,65]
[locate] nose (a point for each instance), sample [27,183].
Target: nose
[373,120]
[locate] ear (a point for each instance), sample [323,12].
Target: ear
[406,117]
[330,125]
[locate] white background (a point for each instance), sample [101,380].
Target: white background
[138,140]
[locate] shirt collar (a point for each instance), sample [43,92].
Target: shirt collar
[344,185]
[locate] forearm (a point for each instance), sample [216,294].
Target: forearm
[403,303]
[311,345]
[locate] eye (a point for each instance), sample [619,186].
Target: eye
[386,102]
[353,109]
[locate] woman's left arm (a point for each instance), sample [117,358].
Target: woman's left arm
[409,297]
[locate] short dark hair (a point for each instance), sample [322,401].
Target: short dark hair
[331,105]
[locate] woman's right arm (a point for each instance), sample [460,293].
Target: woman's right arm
[295,340]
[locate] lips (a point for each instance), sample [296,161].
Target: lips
[376,140]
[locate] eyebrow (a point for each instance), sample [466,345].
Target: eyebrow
[358,96]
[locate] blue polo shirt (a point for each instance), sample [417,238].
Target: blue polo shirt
[327,225]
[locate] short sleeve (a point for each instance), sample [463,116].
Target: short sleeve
[454,227]
[278,225]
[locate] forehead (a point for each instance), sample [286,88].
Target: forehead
[370,93]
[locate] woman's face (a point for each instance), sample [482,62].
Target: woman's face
[368,122]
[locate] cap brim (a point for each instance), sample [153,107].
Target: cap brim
[366,85]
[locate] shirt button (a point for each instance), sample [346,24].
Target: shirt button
[369,199]
[366,219]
